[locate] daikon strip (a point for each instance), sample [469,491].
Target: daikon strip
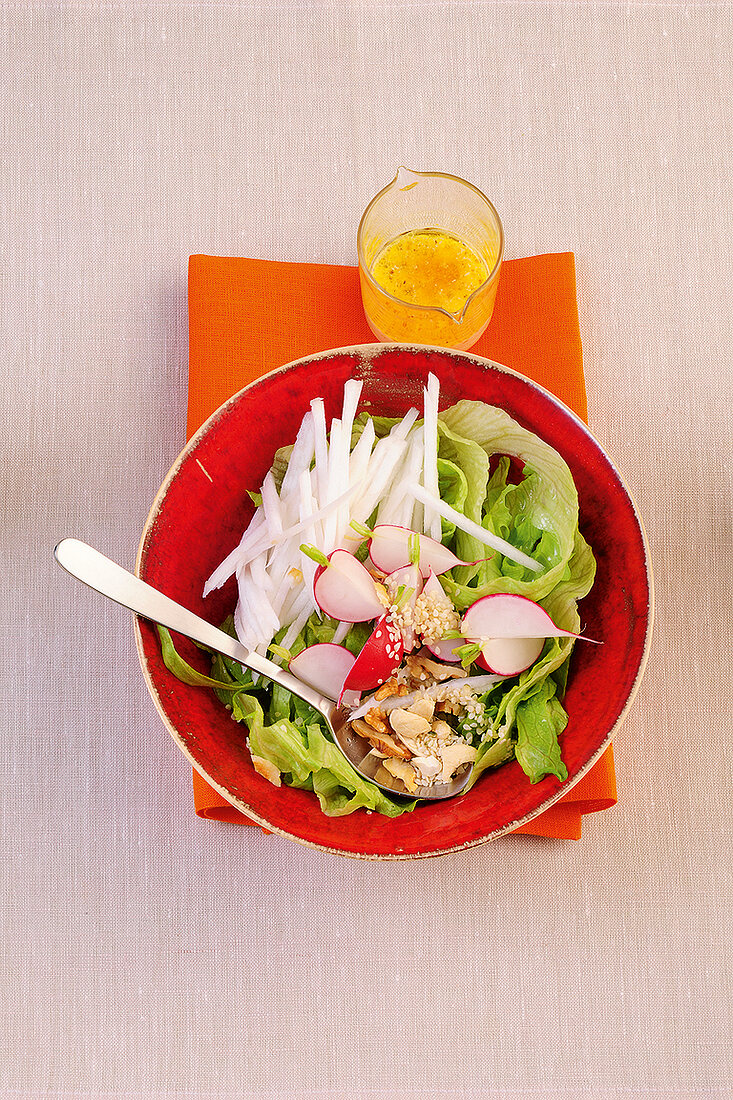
[437,691]
[333,484]
[340,633]
[431,520]
[385,457]
[301,456]
[312,532]
[264,622]
[359,466]
[255,533]
[293,579]
[296,601]
[244,619]
[321,513]
[474,529]
[271,506]
[360,455]
[352,392]
[278,567]
[320,445]
[261,575]
[295,627]
[402,430]
[397,505]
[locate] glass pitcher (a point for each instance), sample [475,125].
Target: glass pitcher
[459,217]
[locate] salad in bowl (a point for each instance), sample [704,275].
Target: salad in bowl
[422,569]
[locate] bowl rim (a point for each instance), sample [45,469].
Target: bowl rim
[366,352]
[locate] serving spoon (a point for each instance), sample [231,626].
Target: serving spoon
[111,580]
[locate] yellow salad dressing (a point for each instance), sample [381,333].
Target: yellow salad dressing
[429,267]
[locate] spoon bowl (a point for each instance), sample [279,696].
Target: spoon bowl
[111,580]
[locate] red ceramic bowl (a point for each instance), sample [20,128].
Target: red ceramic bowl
[203,506]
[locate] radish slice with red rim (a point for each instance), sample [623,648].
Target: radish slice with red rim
[445,649]
[380,657]
[509,656]
[324,666]
[389,549]
[345,590]
[506,615]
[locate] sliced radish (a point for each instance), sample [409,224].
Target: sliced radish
[506,615]
[509,656]
[434,588]
[408,578]
[344,589]
[445,649]
[389,550]
[324,666]
[379,658]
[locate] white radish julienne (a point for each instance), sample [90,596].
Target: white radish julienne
[474,529]
[430,460]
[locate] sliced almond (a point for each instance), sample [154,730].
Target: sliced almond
[453,756]
[442,730]
[421,667]
[267,770]
[427,767]
[407,722]
[402,771]
[424,706]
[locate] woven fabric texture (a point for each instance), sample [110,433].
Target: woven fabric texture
[147,953]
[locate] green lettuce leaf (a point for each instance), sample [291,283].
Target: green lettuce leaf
[182,670]
[539,516]
[540,720]
[307,758]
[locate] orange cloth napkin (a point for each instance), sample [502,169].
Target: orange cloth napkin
[248,316]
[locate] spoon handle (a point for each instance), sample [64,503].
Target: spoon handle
[111,580]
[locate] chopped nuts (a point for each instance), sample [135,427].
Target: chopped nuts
[375,719]
[389,687]
[384,742]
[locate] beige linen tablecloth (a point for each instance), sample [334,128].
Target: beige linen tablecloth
[146,953]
